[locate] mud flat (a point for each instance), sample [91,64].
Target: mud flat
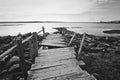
[101,54]
[9,65]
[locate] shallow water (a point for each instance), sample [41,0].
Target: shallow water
[91,28]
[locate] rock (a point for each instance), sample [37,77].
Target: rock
[27,56]
[92,45]
[27,49]
[12,61]
[28,64]
[3,72]
[95,49]
[14,68]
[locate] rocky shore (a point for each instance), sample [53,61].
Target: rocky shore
[9,66]
[101,54]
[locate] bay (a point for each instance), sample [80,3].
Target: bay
[90,28]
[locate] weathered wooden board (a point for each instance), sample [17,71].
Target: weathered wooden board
[54,40]
[53,68]
[52,64]
[68,50]
[55,55]
[55,73]
[53,59]
[53,44]
[74,76]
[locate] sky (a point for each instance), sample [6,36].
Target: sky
[59,10]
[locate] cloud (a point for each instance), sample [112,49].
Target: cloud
[39,9]
[45,6]
[102,1]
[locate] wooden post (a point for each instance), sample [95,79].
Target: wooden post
[21,56]
[81,44]
[35,44]
[106,37]
[63,32]
[71,39]
[43,31]
[32,55]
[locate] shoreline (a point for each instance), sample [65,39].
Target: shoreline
[7,29]
[100,53]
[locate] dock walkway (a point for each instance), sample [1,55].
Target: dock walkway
[58,63]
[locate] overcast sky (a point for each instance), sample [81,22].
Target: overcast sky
[60,10]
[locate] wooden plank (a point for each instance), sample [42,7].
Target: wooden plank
[52,44]
[53,41]
[55,73]
[74,76]
[54,52]
[54,37]
[39,60]
[54,68]
[56,55]
[51,64]
[57,50]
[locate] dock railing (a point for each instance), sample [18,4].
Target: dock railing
[78,55]
[33,45]
[71,39]
[81,45]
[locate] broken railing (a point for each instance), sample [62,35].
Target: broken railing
[32,40]
[81,44]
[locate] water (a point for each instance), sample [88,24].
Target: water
[91,28]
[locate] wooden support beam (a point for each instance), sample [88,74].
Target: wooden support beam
[7,52]
[32,55]
[81,44]
[39,31]
[21,56]
[35,43]
[63,31]
[71,39]
[43,29]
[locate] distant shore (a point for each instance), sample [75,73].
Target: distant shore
[115,22]
[112,31]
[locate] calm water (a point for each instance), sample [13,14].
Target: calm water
[91,28]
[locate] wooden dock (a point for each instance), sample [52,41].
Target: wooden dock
[58,63]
